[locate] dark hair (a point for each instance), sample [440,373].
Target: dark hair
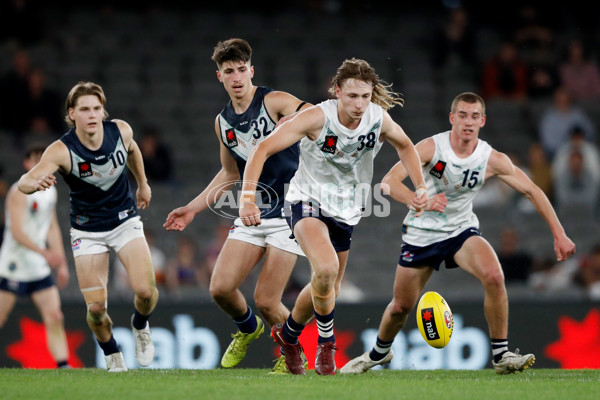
[34,148]
[232,50]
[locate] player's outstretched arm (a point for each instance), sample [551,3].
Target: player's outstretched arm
[181,217]
[501,165]
[41,177]
[306,124]
[135,163]
[411,161]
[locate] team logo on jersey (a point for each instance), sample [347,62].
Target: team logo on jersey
[438,169]
[85,169]
[231,138]
[81,219]
[330,144]
[34,207]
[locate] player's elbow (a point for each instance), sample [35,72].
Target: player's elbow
[23,187]
[386,182]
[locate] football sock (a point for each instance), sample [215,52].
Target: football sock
[140,320]
[291,330]
[499,347]
[247,322]
[109,347]
[325,327]
[380,349]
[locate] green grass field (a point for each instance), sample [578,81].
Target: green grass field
[148,384]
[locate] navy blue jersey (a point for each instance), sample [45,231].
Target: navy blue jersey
[100,196]
[241,132]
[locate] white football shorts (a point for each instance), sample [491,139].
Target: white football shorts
[86,243]
[272,231]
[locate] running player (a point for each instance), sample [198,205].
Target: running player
[31,247]
[339,140]
[92,157]
[455,164]
[248,118]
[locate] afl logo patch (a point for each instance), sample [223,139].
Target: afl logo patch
[231,138]
[75,244]
[85,169]
[330,144]
[438,169]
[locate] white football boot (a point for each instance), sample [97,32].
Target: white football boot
[115,362]
[513,362]
[144,348]
[364,363]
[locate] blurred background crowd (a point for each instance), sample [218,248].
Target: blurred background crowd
[537,67]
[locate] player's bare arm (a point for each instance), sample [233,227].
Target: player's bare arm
[16,206]
[41,177]
[393,133]
[135,163]
[500,165]
[393,181]
[306,124]
[283,106]
[55,245]
[181,217]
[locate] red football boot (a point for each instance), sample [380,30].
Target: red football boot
[292,352]
[325,360]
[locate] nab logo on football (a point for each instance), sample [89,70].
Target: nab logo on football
[434,320]
[428,321]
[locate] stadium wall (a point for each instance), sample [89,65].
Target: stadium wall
[194,336]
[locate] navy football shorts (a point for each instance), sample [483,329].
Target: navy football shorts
[25,288]
[433,254]
[340,233]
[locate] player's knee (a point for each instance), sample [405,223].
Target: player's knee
[96,311]
[220,292]
[54,317]
[493,278]
[399,309]
[264,304]
[327,274]
[147,293]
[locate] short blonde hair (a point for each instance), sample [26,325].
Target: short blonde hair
[84,89]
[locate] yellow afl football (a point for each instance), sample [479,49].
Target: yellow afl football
[434,320]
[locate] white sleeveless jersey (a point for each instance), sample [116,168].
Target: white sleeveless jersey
[17,262]
[460,179]
[336,169]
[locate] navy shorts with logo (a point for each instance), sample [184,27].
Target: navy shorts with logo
[339,232]
[433,255]
[25,288]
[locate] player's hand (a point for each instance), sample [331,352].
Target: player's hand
[143,194]
[250,214]
[419,201]
[53,258]
[563,247]
[62,276]
[437,202]
[179,219]
[45,182]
